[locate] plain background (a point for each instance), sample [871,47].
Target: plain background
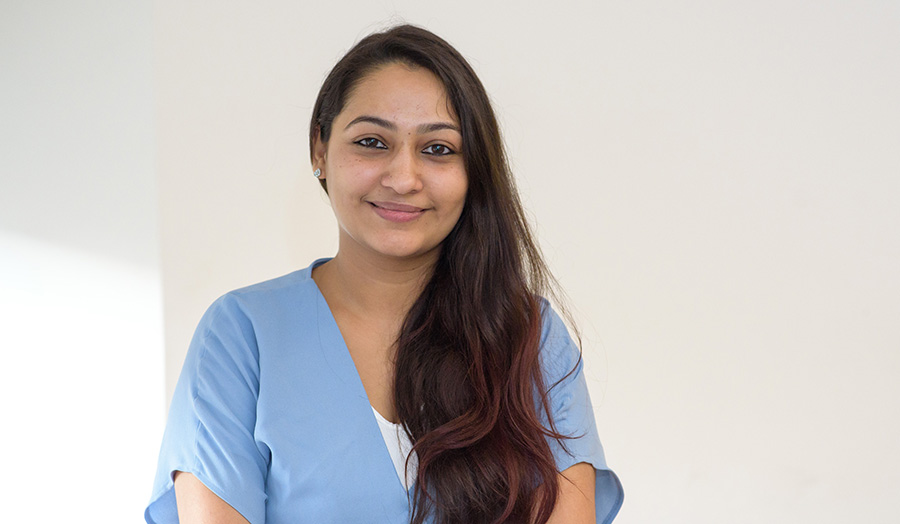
[714,183]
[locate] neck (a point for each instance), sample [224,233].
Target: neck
[372,284]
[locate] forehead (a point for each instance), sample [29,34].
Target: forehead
[399,92]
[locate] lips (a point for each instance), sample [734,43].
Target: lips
[394,206]
[397,212]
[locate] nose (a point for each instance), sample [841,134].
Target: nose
[403,173]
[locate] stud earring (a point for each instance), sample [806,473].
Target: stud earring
[317,173]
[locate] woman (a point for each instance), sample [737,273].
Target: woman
[416,376]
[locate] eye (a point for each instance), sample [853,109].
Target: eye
[371,143]
[438,150]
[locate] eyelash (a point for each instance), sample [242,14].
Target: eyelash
[371,143]
[374,143]
[447,150]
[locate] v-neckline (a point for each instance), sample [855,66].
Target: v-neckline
[341,362]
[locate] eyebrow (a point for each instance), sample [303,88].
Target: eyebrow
[436,126]
[422,129]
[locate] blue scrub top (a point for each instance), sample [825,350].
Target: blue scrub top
[271,415]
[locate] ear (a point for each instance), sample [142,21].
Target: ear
[319,152]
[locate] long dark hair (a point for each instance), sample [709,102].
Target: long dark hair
[468,385]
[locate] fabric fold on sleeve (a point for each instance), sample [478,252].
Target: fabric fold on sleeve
[211,424]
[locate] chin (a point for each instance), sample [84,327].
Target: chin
[403,250]
[404,253]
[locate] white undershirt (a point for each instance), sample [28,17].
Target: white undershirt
[399,446]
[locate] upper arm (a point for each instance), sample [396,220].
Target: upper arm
[575,500]
[580,457]
[197,504]
[211,429]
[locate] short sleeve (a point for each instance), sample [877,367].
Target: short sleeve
[573,414]
[210,428]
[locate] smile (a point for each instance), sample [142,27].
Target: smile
[395,212]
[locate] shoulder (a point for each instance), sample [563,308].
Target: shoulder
[277,285]
[552,325]
[560,355]
[238,318]
[265,298]
[274,289]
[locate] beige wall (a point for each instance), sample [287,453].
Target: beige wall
[714,183]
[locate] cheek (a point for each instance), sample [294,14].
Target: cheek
[357,174]
[351,177]
[455,189]
[449,184]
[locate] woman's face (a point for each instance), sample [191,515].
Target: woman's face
[394,164]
